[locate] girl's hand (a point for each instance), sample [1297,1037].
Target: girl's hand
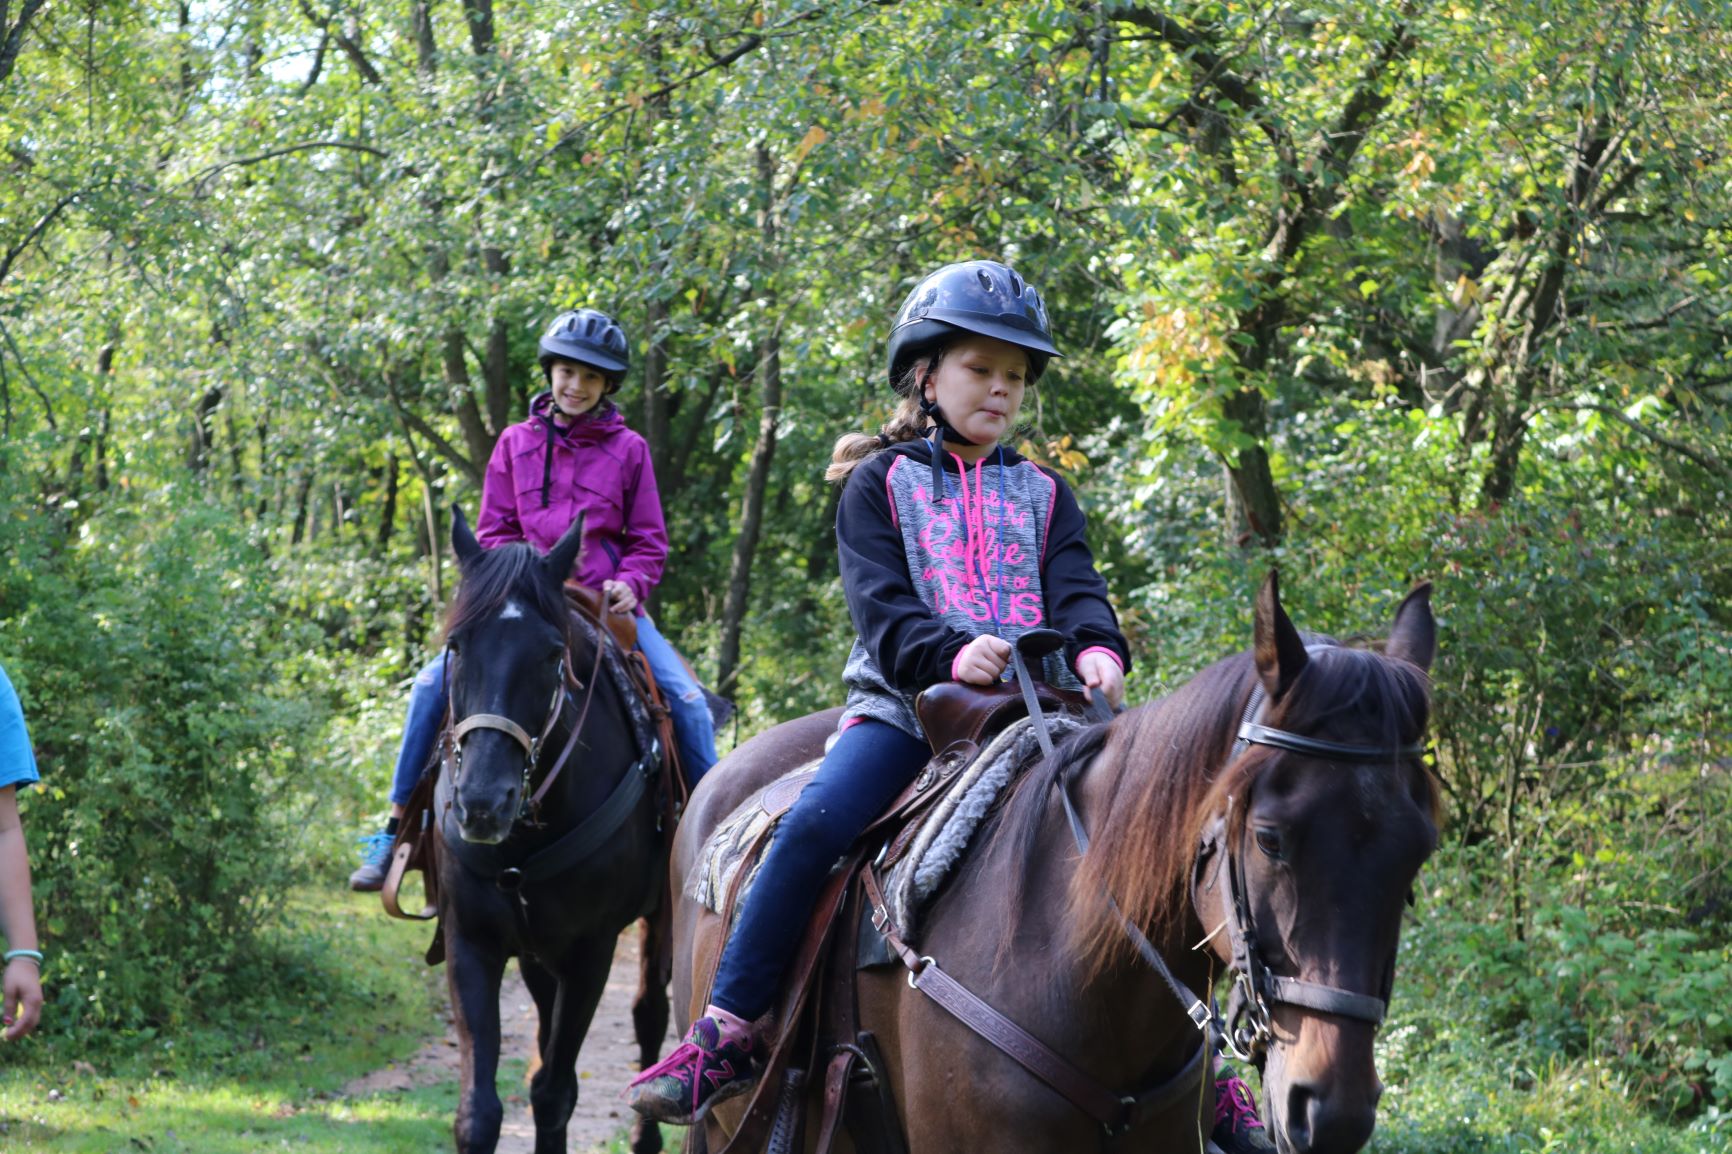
[981,660]
[22,994]
[1098,671]
[620,598]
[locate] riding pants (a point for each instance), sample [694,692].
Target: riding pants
[870,763]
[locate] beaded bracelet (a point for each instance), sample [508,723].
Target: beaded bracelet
[32,955]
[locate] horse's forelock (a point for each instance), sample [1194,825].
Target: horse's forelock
[499,576]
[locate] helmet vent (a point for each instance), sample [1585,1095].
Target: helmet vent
[985,281]
[1015,284]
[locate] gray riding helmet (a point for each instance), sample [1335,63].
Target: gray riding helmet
[589,337]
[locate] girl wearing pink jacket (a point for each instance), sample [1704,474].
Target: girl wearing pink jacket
[574,455]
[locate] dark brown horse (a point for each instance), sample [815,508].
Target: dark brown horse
[1275,807]
[550,830]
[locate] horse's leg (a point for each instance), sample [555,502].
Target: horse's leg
[553,1090]
[472,974]
[649,1013]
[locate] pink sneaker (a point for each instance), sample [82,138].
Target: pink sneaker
[1238,1130]
[704,1069]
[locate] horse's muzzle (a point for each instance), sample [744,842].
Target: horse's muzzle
[1313,1124]
[481,823]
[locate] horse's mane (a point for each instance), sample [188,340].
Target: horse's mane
[1164,762]
[493,577]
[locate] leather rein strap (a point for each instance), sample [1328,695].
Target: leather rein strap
[1117,1113]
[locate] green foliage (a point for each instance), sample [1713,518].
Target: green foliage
[1373,294]
[145,649]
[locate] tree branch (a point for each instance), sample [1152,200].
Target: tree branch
[412,420]
[1719,468]
[12,42]
[202,179]
[37,230]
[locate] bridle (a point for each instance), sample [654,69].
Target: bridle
[532,746]
[1246,1030]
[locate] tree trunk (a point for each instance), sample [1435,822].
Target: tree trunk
[421,31]
[201,437]
[655,368]
[479,14]
[388,514]
[496,369]
[303,507]
[12,35]
[751,515]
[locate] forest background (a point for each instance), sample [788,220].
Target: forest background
[1376,293]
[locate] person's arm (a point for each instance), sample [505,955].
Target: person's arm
[912,646]
[498,523]
[644,536]
[21,984]
[1076,593]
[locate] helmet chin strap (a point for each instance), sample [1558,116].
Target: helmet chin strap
[941,432]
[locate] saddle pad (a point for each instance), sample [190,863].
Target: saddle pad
[732,843]
[934,847]
[946,831]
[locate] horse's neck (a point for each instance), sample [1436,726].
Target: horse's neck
[1124,1015]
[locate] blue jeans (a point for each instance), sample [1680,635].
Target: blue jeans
[420,728]
[693,732]
[868,766]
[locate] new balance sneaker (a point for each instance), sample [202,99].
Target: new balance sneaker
[1238,1130]
[375,856]
[704,1069]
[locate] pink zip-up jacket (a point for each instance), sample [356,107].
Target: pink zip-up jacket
[542,476]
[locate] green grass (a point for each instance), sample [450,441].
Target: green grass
[354,995]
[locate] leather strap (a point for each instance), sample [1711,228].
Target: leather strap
[1115,1112]
[495,721]
[1328,999]
[576,844]
[600,637]
[760,1112]
[1253,734]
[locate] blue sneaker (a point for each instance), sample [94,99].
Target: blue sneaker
[375,856]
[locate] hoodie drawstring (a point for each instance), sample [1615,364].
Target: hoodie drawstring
[547,461]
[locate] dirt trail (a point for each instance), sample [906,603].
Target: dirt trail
[604,1066]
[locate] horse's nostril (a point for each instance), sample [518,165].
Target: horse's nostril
[1300,1101]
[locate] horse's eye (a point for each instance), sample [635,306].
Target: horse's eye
[1269,841]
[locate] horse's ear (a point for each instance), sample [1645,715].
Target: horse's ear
[1280,651]
[463,542]
[1413,636]
[564,553]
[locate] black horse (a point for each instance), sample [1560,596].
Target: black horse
[550,822]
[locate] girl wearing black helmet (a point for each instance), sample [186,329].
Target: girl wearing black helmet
[573,456]
[951,546]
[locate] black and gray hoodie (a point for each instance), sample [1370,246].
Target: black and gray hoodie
[1002,550]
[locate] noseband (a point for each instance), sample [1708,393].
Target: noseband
[532,746]
[1246,1031]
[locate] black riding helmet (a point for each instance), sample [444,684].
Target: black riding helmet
[982,297]
[589,337]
